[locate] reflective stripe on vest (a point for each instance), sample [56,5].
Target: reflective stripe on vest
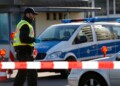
[17,41]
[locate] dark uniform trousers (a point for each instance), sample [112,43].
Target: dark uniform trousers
[23,74]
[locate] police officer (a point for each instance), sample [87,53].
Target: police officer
[24,45]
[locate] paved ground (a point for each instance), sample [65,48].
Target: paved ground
[44,79]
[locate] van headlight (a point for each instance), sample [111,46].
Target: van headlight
[55,55]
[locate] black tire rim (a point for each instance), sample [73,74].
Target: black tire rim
[92,82]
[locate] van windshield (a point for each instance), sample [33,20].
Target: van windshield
[58,33]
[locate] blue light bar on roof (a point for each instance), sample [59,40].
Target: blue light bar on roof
[71,20]
[88,20]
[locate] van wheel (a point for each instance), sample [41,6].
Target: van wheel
[92,80]
[65,73]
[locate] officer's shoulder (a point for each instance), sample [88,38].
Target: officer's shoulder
[25,27]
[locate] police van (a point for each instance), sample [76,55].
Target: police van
[72,41]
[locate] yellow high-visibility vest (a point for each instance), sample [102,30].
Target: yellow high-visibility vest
[17,41]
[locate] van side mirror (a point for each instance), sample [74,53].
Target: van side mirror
[118,58]
[83,39]
[76,41]
[80,39]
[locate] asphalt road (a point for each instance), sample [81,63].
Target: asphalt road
[44,79]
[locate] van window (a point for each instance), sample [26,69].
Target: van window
[116,30]
[58,33]
[104,32]
[85,35]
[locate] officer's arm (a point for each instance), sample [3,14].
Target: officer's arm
[24,35]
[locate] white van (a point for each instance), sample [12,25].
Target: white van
[78,41]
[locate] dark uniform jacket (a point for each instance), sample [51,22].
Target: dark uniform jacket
[24,38]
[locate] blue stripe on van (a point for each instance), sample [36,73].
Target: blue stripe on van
[117,45]
[85,52]
[88,51]
[43,47]
[113,47]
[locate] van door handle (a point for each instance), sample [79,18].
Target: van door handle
[94,46]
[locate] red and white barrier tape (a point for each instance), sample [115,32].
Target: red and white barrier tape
[61,65]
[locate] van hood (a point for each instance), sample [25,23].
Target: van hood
[43,47]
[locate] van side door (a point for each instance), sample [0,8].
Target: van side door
[105,37]
[116,32]
[85,42]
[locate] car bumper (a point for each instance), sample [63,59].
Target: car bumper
[73,80]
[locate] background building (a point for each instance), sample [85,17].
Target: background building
[109,8]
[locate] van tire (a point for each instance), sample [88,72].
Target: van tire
[65,73]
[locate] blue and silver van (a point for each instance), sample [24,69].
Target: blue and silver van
[78,41]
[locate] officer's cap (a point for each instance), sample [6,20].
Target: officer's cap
[30,10]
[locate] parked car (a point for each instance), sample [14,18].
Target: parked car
[96,77]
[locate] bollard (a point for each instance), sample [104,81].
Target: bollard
[104,50]
[3,74]
[11,54]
